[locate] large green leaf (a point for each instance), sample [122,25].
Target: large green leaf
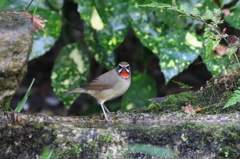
[115,20]
[178,51]
[43,41]
[216,63]
[141,89]
[70,71]
[106,25]
[148,28]
[234,18]
[104,57]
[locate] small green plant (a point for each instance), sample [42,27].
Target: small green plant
[183,85]
[184,139]
[234,98]
[46,154]
[25,98]
[226,154]
[152,150]
[2,3]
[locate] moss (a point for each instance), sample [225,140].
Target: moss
[199,139]
[173,102]
[18,139]
[105,138]
[212,98]
[72,151]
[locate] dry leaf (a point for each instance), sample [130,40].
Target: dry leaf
[37,21]
[16,118]
[226,12]
[198,109]
[189,109]
[221,50]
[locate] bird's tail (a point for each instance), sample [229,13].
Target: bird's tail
[77,90]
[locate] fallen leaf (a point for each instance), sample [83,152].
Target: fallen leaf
[16,118]
[221,50]
[189,109]
[198,109]
[226,12]
[37,21]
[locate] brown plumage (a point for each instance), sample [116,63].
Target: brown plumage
[109,85]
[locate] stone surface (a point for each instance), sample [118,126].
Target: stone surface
[15,46]
[129,135]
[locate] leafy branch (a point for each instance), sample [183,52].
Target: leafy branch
[212,33]
[234,99]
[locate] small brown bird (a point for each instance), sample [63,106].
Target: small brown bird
[109,85]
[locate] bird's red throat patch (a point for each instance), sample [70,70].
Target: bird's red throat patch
[124,74]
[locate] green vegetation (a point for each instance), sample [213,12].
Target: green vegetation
[21,104]
[177,32]
[234,98]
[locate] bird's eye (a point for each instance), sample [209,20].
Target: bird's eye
[128,67]
[120,66]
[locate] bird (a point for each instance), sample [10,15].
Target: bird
[107,86]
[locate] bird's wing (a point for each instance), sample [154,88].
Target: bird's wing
[105,81]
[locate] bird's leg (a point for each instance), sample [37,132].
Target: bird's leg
[106,109]
[105,114]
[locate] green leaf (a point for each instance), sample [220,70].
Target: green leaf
[2,4]
[156,151]
[211,41]
[43,41]
[103,56]
[115,20]
[172,18]
[234,19]
[47,153]
[216,63]
[141,89]
[25,98]
[235,98]
[70,71]
[182,84]
[106,25]
[179,49]
[149,28]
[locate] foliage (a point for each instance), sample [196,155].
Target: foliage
[50,11]
[152,150]
[47,153]
[141,89]
[183,85]
[25,98]
[235,98]
[2,3]
[70,71]
[177,33]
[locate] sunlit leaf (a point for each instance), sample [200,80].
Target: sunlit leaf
[70,71]
[216,63]
[116,23]
[149,28]
[141,89]
[103,56]
[175,59]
